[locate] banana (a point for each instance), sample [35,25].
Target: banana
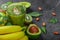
[10,29]
[24,38]
[12,36]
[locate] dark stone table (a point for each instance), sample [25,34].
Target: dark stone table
[48,6]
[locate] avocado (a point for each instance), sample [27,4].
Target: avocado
[28,18]
[35,31]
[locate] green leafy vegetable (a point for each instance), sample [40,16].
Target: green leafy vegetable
[35,14]
[0,15]
[8,24]
[54,20]
[1,22]
[5,18]
[43,29]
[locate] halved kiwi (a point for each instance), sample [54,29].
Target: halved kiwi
[28,18]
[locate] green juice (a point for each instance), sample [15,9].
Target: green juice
[17,15]
[18,20]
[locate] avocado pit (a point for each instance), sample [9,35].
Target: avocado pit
[33,29]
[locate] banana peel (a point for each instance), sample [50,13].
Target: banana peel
[12,36]
[10,29]
[24,38]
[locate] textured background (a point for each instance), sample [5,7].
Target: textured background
[48,6]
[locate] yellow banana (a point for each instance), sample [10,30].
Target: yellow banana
[12,36]
[24,38]
[10,29]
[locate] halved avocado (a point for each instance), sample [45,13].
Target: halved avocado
[3,18]
[28,18]
[33,35]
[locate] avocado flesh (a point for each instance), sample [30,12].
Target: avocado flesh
[33,35]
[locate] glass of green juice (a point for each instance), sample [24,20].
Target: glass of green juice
[17,14]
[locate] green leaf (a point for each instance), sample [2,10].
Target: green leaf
[43,29]
[8,24]
[0,15]
[54,20]
[1,22]
[5,18]
[35,14]
[9,3]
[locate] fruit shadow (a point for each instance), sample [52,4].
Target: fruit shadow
[29,10]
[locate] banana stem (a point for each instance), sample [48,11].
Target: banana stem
[24,28]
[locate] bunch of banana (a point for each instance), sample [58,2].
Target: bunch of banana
[24,38]
[12,33]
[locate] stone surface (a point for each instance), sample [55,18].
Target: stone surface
[48,6]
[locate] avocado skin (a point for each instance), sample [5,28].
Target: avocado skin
[33,36]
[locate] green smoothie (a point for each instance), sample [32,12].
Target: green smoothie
[17,14]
